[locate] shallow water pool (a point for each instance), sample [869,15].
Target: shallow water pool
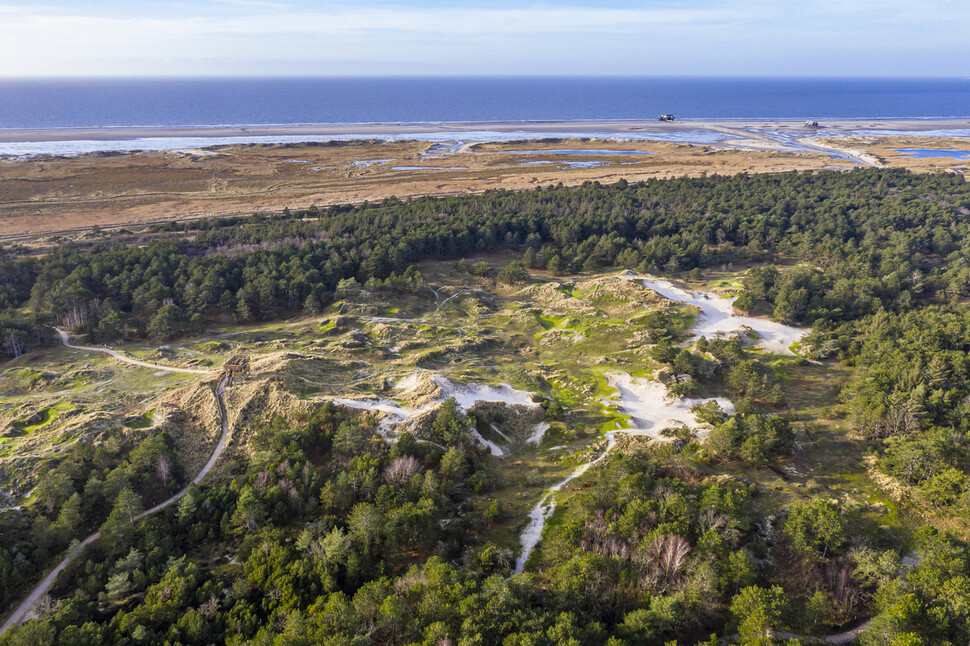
[927,153]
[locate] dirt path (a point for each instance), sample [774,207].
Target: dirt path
[121,357]
[839,638]
[20,614]
[842,638]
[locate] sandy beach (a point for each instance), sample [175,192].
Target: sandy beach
[376,130]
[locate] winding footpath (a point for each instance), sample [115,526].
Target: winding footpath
[121,357]
[20,614]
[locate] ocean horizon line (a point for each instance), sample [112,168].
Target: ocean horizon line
[474,122]
[403,101]
[480,77]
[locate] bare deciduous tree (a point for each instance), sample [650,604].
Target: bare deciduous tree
[662,564]
[401,470]
[164,468]
[14,342]
[210,607]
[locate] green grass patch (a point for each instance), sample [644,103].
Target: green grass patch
[38,420]
[141,421]
[28,376]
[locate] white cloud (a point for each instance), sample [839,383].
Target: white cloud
[262,4]
[251,36]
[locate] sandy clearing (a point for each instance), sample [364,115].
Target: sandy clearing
[717,317]
[395,413]
[467,394]
[651,408]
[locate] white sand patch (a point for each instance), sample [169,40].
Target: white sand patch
[395,414]
[717,316]
[652,409]
[467,394]
[408,383]
[538,432]
[494,448]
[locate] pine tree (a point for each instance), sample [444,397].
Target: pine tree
[119,529]
[249,511]
[529,258]
[69,518]
[454,465]
[450,425]
[243,312]
[555,265]
[311,306]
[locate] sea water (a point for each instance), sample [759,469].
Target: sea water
[175,103]
[213,102]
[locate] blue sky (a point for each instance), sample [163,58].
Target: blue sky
[501,37]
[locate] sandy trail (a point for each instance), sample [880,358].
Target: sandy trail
[21,612]
[532,533]
[121,357]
